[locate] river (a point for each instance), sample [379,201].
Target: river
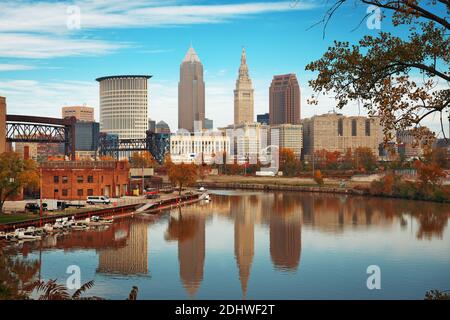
[259,245]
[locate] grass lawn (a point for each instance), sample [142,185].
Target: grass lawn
[6,218]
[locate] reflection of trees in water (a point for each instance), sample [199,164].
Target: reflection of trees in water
[431,225]
[15,274]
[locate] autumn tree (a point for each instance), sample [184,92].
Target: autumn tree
[327,159]
[142,160]
[393,77]
[429,174]
[347,160]
[364,158]
[289,164]
[182,174]
[106,158]
[318,178]
[16,173]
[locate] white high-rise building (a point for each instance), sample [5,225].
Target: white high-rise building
[124,105]
[243,95]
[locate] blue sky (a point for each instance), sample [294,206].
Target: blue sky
[44,64]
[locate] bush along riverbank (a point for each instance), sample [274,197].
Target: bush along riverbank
[386,187]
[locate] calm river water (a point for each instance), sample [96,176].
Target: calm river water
[260,245]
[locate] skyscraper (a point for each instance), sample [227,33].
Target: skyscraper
[191,93]
[82,113]
[123,105]
[284,100]
[243,95]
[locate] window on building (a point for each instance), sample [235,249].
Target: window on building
[102,179]
[80,192]
[340,128]
[64,179]
[56,179]
[80,179]
[367,127]
[64,192]
[55,191]
[90,192]
[90,179]
[354,127]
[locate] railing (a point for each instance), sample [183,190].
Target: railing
[52,219]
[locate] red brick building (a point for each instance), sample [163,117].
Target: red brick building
[76,180]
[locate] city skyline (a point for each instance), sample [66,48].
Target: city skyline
[62,70]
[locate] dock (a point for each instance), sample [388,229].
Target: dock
[144,207]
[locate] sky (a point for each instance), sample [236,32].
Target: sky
[52,51]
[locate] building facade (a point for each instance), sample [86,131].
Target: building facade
[87,136]
[336,132]
[162,127]
[190,148]
[76,180]
[243,94]
[81,113]
[289,136]
[191,93]
[209,124]
[247,140]
[408,145]
[123,105]
[263,118]
[151,125]
[284,100]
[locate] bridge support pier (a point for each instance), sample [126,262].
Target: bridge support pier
[2,124]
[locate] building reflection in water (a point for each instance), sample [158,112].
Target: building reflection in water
[242,210]
[189,230]
[285,232]
[130,259]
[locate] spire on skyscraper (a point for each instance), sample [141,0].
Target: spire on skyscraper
[191,55]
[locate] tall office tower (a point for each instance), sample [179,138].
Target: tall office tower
[284,100]
[243,95]
[191,93]
[82,113]
[2,124]
[123,105]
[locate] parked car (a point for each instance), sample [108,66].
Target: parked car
[32,207]
[98,199]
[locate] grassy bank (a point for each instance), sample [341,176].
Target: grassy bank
[8,218]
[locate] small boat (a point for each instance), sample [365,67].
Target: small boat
[21,235]
[3,236]
[48,228]
[58,225]
[205,197]
[202,189]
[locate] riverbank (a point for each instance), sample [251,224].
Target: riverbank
[359,187]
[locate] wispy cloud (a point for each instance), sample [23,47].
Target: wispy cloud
[51,17]
[39,29]
[39,46]
[14,67]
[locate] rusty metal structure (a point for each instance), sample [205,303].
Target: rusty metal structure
[157,144]
[42,130]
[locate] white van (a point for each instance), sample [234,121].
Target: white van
[98,199]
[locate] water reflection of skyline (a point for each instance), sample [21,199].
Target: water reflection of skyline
[124,248]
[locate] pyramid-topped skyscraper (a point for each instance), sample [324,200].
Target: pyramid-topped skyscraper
[191,93]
